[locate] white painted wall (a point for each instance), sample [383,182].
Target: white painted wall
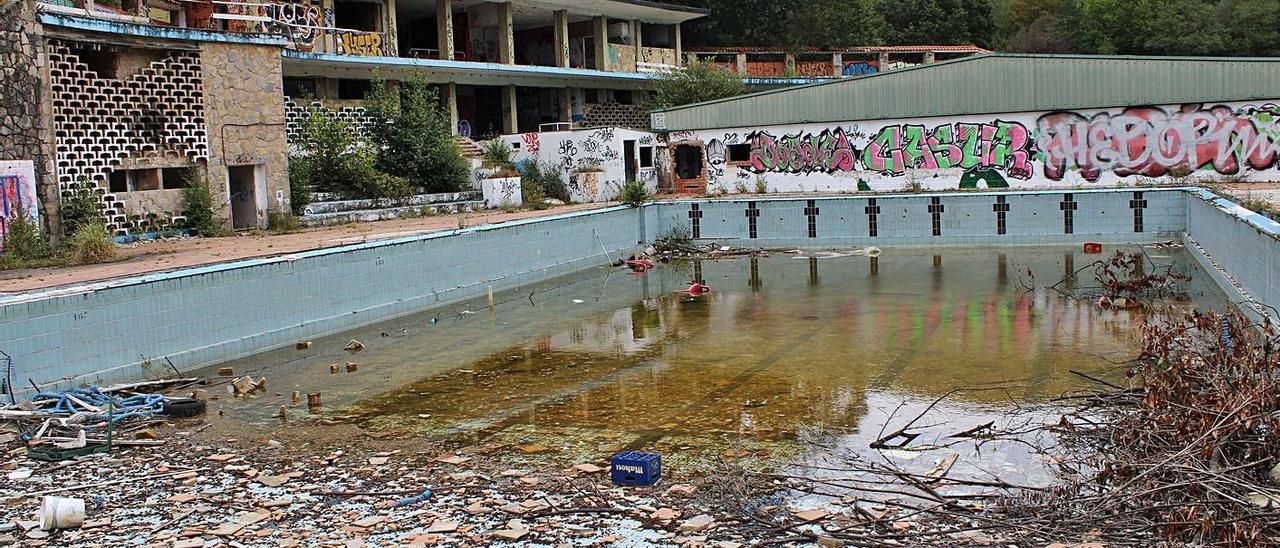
[1099,147]
[573,151]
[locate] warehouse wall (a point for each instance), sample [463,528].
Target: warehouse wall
[1102,147]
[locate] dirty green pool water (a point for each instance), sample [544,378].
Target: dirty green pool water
[787,349]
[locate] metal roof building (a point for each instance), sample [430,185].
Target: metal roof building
[992,83]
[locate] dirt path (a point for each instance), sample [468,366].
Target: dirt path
[176,253]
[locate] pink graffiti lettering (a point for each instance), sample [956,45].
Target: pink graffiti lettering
[530,142]
[825,152]
[1152,142]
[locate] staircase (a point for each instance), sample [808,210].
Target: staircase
[469,148]
[331,209]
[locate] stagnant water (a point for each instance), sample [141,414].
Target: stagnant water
[794,356]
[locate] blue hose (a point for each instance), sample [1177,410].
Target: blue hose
[146,405]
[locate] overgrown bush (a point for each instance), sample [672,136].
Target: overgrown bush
[548,177]
[412,136]
[532,193]
[201,207]
[634,193]
[694,83]
[91,243]
[81,206]
[299,184]
[23,240]
[282,222]
[497,154]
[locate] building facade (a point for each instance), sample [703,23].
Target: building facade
[130,98]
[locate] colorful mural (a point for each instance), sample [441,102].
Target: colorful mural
[17,194]
[1107,146]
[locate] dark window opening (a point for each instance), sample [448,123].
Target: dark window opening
[352,89]
[300,88]
[103,62]
[646,157]
[174,177]
[739,153]
[591,96]
[624,96]
[356,15]
[146,179]
[688,162]
[118,181]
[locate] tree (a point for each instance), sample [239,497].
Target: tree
[937,22]
[694,83]
[413,138]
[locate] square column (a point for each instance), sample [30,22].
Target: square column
[883,61]
[600,31]
[740,61]
[444,30]
[560,21]
[837,64]
[930,57]
[451,105]
[678,50]
[506,38]
[636,29]
[509,125]
[564,110]
[789,64]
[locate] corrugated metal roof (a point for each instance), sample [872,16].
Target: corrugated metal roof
[850,49]
[993,83]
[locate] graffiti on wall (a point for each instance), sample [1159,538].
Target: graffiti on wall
[859,68]
[1153,142]
[17,194]
[300,21]
[530,142]
[358,43]
[828,151]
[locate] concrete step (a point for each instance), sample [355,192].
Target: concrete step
[322,202]
[387,213]
[469,148]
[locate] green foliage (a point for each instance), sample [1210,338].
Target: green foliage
[282,222]
[91,243]
[24,241]
[412,137]
[548,177]
[762,186]
[693,83]
[81,206]
[299,184]
[634,193]
[201,207]
[1127,27]
[532,194]
[497,154]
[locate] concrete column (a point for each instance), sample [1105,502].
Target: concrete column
[564,108]
[451,105]
[509,125]
[837,64]
[636,31]
[692,57]
[506,38]
[327,38]
[444,31]
[390,34]
[883,60]
[600,33]
[560,20]
[678,48]
[740,61]
[929,57]
[789,64]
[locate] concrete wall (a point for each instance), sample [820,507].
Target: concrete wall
[572,151]
[1171,144]
[124,329]
[245,112]
[24,127]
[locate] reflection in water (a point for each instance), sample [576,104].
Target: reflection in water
[832,343]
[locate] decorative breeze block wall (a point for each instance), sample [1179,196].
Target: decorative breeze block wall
[295,115]
[100,122]
[616,115]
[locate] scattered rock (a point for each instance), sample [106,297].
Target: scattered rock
[696,524]
[509,534]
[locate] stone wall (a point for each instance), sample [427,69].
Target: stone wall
[245,109]
[23,131]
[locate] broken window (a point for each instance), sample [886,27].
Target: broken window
[357,15]
[739,153]
[174,177]
[688,162]
[646,157]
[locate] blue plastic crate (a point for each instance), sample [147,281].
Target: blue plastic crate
[635,468]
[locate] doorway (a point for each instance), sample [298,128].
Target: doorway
[243,187]
[629,159]
[690,173]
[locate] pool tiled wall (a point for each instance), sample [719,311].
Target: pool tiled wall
[130,328]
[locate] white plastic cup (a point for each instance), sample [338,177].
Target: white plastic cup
[61,513]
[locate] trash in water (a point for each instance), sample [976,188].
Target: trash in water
[635,468]
[354,346]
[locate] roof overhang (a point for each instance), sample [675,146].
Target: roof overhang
[325,65]
[644,10]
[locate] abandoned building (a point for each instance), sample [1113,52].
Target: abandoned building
[130,98]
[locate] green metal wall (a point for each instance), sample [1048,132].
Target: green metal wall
[992,84]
